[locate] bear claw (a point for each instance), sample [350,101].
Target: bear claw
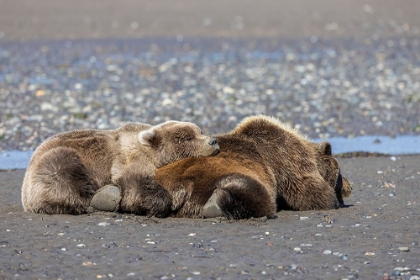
[106,199]
[211,209]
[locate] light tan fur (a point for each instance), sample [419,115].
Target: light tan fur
[67,169]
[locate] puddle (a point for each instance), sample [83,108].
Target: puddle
[373,144]
[400,145]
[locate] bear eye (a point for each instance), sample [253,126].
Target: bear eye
[189,137]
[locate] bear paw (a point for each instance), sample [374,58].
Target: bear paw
[107,199]
[211,209]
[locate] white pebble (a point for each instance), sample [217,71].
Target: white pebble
[81,245]
[192,234]
[404,249]
[327,252]
[104,224]
[304,218]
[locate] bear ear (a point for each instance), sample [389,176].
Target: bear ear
[149,138]
[325,148]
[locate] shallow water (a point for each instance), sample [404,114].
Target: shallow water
[373,144]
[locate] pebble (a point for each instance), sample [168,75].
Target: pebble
[104,224]
[404,249]
[327,252]
[293,266]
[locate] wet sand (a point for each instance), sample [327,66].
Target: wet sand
[375,236]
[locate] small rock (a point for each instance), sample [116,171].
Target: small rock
[404,249]
[327,252]
[106,199]
[104,224]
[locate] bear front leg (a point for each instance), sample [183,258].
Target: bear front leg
[142,195]
[309,193]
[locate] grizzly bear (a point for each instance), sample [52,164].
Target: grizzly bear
[263,166]
[67,169]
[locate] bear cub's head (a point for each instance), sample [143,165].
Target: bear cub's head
[174,140]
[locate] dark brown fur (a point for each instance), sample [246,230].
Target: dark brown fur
[264,166]
[67,169]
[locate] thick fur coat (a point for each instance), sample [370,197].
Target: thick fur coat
[263,166]
[67,169]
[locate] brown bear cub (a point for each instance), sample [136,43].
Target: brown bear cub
[263,166]
[67,170]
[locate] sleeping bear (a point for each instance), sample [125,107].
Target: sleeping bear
[68,169]
[263,166]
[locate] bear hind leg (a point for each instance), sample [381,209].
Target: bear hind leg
[60,184]
[238,196]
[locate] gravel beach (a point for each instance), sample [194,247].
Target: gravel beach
[375,237]
[330,68]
